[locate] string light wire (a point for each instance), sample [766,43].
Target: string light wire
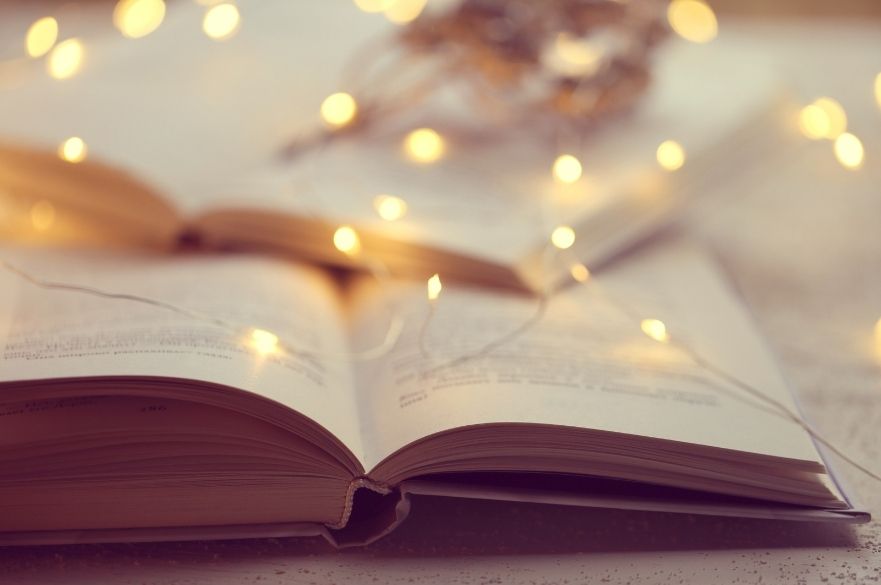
[396,327]
[378,107]
[698,359]
[236,331]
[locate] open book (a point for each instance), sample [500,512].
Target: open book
[184,137]
[126,421]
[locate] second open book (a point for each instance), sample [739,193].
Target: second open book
[184,139]
[129,421]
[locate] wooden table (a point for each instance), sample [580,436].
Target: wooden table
[802,240]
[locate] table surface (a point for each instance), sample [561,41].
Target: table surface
[801,239]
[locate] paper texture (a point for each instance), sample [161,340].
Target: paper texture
[61,334]
[586,364]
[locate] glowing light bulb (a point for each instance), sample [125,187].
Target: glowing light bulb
[263,342]
[655,329]
[814,122]
[346,240]
[66,59]
[138,18]
[41,36]
[878,89]
[693,20]
[823,118]
[424,145]
[42,215]
[567,168]
[563,237]
[221,21]
[571,56]
[849,151]
[579,272]
[389,207]
[404,11]
[73,150]
[374,5]
[835,113]
[670,155]
[434,287]
[338,110]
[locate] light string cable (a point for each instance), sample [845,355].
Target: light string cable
[236,331]
[369,109]
[542,301]
[396,326]
[775,406]
[379,271]
[354,254]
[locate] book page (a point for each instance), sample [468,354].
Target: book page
[585,364]
[47,334]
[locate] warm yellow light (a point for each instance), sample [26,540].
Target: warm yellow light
[835,113]
[434,287]
[567,168]
[346,240]
[41,36]
[390,207]
[374,5]
[670,155]
[138,18]
[655,329]
[823,118]
[878,89]
[404,11]
[878,333]
[65,59]
[571,56]
[849,151]
[563,237]
[263,342]
[424,145]
[73,150]
[221,21]
[42,215]
[813,122]
[579,272]
[693,20]
[338,109]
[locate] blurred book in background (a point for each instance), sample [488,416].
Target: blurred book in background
[183,137]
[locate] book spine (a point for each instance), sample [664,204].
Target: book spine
[372,510]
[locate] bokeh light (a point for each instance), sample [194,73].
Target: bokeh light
[693,20]
[41,37]
[424,145]
[66,59]
[221,22]
[670,155]
[138,18]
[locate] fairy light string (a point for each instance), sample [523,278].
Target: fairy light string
[263,341]
[343,112]
[658,331]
